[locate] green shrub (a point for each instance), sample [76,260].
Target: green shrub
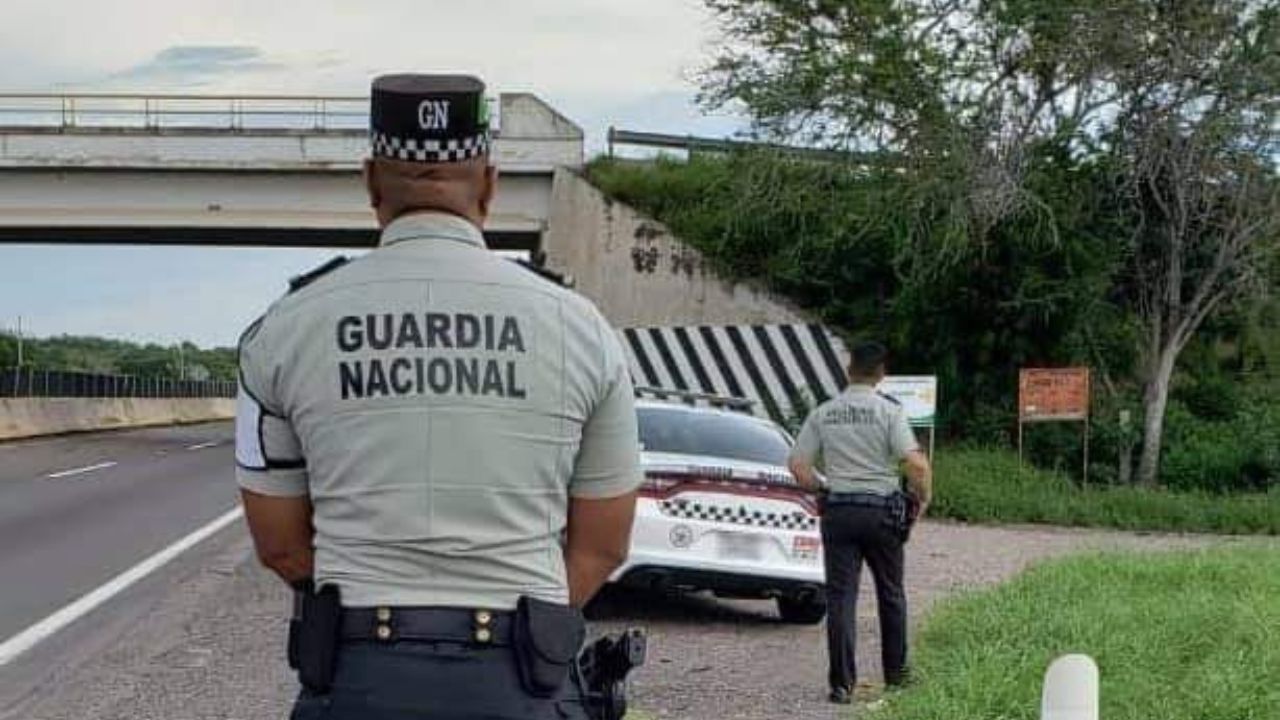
[991,425]
[1239,455]
[1211,397]
[856,246]
[989,486]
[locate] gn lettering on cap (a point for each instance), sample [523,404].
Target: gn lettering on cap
[433,114]
[428,118]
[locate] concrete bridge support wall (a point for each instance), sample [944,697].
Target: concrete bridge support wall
[638,273]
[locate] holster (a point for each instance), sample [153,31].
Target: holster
[546,638]
[313,635]
[902,514]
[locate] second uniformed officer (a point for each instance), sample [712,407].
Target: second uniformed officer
[862,441]
[436,447]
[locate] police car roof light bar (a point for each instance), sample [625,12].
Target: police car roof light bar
[689,397]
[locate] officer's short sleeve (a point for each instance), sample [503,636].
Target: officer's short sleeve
[808,445]
[269,458]
[902,439]
[608,461]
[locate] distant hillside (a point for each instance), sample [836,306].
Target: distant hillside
[119,357]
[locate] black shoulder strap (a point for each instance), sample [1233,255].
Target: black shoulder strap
[249,332]
[311,276]
[890,398]
[542,272]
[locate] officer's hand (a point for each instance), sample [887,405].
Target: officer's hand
[805,475]
[813,483]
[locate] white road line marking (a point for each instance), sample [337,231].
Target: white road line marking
[29,638]
[202,446]
[78,471]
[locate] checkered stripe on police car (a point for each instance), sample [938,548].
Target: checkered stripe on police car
[422,150]
[739,515]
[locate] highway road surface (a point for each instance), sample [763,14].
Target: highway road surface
[202,636]
[81,511]
[77,510]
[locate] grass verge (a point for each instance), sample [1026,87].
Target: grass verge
[1178,636]
[988,486]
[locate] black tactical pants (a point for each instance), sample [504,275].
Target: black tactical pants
[850,535]
[439,681]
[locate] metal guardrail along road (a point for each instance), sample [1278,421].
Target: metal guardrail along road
[161,111]
[693,144]
[31,383]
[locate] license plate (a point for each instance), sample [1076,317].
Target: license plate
[740,547]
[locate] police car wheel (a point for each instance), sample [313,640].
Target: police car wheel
[802,610]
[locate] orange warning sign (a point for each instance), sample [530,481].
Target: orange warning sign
[1053,394]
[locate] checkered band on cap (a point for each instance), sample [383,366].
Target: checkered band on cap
[428,150]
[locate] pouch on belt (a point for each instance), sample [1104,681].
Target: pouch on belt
[313,635]
[546,638]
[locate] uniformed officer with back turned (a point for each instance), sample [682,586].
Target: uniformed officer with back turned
[436,448]
[862,442]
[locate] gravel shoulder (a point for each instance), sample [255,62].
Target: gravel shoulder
[207,639]
[735,659]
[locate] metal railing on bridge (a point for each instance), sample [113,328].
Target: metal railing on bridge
[156,112]
[693,144]
[32,383]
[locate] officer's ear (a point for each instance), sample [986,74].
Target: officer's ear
[371,183]
[488,189]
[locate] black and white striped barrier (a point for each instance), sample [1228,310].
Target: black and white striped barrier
[771,365]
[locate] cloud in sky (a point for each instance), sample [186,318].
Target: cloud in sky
[625,63]
[194,65]
[595,58]
[609,47]
[603,62]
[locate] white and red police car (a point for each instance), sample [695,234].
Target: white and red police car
[719,511]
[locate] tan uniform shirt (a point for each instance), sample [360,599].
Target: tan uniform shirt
[439,405]
[859,440]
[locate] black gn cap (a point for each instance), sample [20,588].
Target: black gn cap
[428,118]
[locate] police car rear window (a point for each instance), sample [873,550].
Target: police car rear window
[712,434]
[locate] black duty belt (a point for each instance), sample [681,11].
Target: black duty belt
[858,499]
[389,624]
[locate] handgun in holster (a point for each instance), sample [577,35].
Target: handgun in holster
[313,634]
[603,667]
[903,510]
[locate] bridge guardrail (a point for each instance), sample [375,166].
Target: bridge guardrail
[32,383]
[692,144]
[166,111]
[161,111]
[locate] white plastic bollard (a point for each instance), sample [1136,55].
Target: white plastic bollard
[1070,689]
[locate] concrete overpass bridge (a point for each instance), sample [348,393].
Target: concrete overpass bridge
[237,170]
[285,171]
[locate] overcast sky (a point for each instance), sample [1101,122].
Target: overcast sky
[600,62]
